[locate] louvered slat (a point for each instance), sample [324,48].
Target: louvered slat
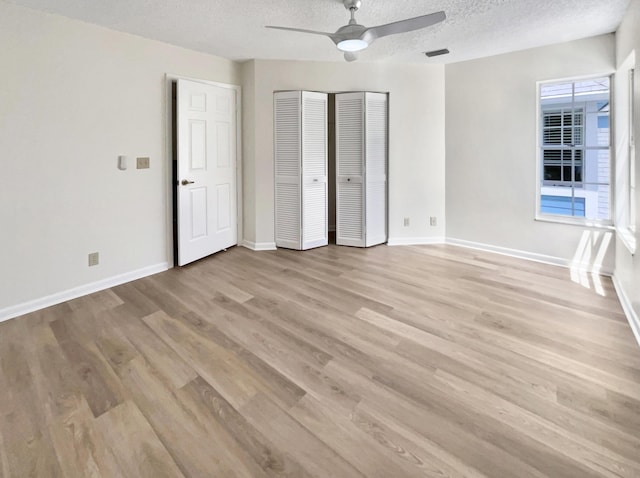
[350,135]
[287,136]
[288,213]
[314,213]
[314,143]
[349,213]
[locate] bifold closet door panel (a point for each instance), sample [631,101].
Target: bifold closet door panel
[288,151]
[376,168]
[300,119]
[350,150]
[315,214]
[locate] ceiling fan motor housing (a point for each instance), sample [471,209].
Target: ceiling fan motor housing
[352,4]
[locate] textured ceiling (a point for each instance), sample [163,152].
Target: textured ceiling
[235,29]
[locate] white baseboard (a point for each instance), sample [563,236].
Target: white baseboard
[531,256]
[70,294]
[632,317]
[259,246]
[414,241]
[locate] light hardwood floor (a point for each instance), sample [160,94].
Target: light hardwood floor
[430,361]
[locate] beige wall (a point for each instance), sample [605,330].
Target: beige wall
[74,97]
[248,149]
[416,137]
[491,149]
[627,273]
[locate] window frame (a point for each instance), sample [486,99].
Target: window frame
[627,228]
[573,220]
[632,187]
[626,214]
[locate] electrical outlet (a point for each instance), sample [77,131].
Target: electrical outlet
[94,259]
[142,163]
[433,221]
[406,222]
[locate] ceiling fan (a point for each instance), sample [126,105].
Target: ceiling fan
[354,37]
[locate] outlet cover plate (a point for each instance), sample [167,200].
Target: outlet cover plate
[94,259]
[142,163]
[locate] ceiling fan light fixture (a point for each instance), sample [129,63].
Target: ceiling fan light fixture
[352,45]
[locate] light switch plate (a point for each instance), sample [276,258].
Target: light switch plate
[142,163]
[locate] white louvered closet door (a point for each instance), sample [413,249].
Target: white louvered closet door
[350,150]
[314,170]
[376,168]
[287,140]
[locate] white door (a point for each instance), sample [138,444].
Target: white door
[350,150]
[288,164]
[206,127]
[315,228]
[376,169]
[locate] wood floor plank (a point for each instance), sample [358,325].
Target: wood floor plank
[595,457]
[166,361]
[219,366]
[433,361]
[181,432]
[431,459]
[305,371]
[131,439]
[28,449]
[80,447]
[100,386]
[272,460]
[348,440]
[314,456]
[282,391]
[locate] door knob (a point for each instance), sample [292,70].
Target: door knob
[186,181]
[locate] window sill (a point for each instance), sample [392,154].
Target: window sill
[606,225]
[628,239]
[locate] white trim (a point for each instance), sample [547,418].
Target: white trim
[259,246]
[169,79]
[570,221]
[632,317]
[627,238]
[531,256]
[70,294]
[414,241]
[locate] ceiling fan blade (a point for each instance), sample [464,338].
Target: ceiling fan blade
[350,56]
[301,30]
[407,25]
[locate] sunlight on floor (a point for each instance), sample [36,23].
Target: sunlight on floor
[587,261]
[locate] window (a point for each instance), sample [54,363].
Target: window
[562,205]
[575,150]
